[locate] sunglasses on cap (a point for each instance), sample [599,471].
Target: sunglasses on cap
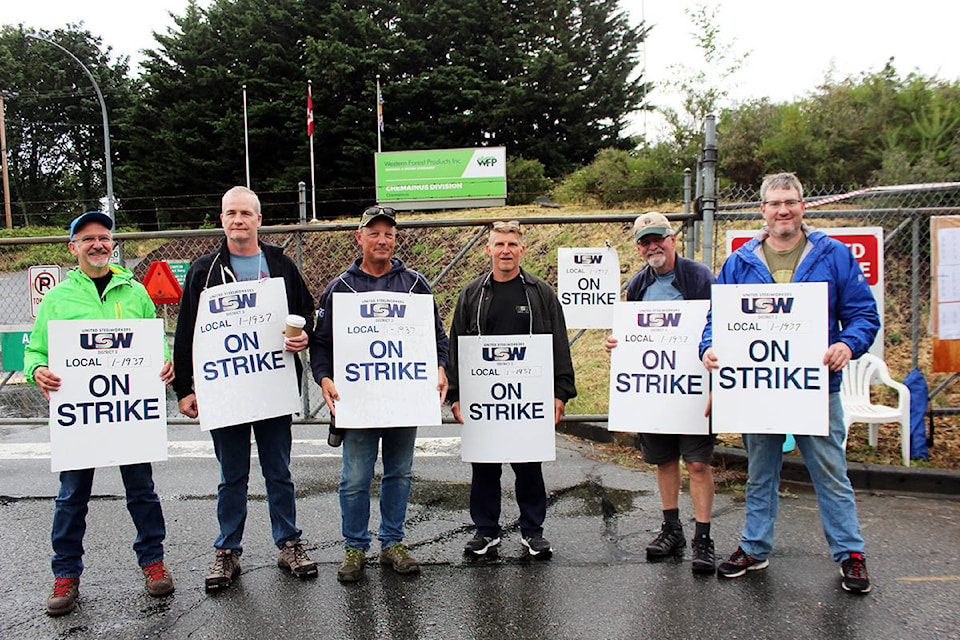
[506,225]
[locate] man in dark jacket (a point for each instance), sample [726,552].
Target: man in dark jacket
[240,257]
[375,270]
[668,276]
[508,300]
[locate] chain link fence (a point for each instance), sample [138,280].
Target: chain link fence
[449,252]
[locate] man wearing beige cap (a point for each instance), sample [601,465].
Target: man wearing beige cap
[668,276]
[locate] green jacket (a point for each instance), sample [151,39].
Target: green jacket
[76,299]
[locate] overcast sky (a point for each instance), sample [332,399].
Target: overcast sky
[792,46]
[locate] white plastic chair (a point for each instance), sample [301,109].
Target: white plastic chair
[855,395]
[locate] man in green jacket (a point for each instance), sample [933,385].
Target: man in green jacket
[97,290]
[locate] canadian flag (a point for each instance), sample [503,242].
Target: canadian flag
[309,112]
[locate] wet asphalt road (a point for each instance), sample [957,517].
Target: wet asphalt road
[598,585]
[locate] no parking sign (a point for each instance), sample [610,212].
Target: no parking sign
[43,277]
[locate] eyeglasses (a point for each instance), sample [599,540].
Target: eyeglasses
[649,239]
[93,239]
[380,211]
[503,225]
[775,204]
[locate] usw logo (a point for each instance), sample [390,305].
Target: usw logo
[233,302]
[658,319]
[503,354]
[383,310]
[586,258]
[766,304]
[110,340]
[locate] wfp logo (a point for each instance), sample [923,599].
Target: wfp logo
[766,304]
[383,310]
[487,161]
[105,340]
[658,319]
[587,259]
[233,302]
[503,354]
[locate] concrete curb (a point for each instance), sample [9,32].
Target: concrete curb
[865,477]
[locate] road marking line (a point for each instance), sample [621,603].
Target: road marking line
[930,579]
[424,448]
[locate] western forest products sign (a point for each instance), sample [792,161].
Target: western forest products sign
[442,178]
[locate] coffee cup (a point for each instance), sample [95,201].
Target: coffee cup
[295,325]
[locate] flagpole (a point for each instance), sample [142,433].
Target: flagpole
[313,178]
[379,113]
[246,140]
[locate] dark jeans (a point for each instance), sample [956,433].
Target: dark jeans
[232,446]
[485,497]
[70,518]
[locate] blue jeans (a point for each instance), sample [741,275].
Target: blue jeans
[359,458]
[826,461]
[70,518]
[232,446]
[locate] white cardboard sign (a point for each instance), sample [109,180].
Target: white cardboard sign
[111,407]
[657,381]
[770,340]
[588,285]
[385,360]
[240,369]
[506,398]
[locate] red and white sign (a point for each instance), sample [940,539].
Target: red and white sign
[866,243]
[43,277]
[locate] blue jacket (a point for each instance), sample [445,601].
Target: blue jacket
[853,317]
[356,280]
[690,278]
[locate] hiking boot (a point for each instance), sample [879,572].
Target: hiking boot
[479,545]
[537,546]
[63,598]
[704,558]
[397,556]
[159,580]
[351,569]
[295,560]
[739,563]
[854,573]
[226,569]
[669,542]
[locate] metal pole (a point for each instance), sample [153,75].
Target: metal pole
[106,124]
[709,186]
[689,246]
[246,139]
[915,291]
[302,206]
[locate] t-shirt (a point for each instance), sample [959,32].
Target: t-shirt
[783,263]
[662,288]
[102,282]
[509,312]
[249,267]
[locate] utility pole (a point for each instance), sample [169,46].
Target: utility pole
[6,179]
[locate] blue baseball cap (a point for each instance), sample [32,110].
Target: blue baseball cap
[90,216]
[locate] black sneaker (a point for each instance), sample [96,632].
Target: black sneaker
[704,559]
[479,545]
[854,573]
[739,563]
[537,546]
[669,542]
